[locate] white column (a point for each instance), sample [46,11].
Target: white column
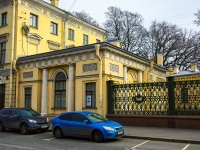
[125,74]
[140,76]
[44,92]
[71,101]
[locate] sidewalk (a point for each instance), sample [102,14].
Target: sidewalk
[163,134]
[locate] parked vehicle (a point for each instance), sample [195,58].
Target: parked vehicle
[86,124]
[24,119]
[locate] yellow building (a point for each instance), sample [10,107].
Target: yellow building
[53,62]
[29,27]
[75,78]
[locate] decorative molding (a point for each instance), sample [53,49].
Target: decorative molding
[4,37]
[54,45]
[28,74]
[89,67]
[5,72]
[6,4]
[44,9]
[114,68]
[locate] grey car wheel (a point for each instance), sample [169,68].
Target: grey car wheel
[24,129]
[58,133]
[2,128]
[97,136]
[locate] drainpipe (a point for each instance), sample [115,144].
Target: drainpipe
[97,47]
[17,80]
[65,31]
[12,53]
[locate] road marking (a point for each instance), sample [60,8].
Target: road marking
[139,145]
[49,139]
[19,147]
[186,147]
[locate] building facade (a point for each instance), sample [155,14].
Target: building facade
[53,62]
[29,27]
[75,78]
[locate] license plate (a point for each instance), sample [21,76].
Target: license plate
[44,126]
[120,132]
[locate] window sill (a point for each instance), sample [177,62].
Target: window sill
[3,26]
[63,108]
[54,34]
[36,28]
[89,108]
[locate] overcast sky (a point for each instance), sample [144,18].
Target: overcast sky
[179,12]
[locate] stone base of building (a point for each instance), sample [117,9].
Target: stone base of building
[187,122]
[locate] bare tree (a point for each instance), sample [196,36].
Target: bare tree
[178,46]
[127,27]
[197,21]
[86,17]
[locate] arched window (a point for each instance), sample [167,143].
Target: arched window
[60,91]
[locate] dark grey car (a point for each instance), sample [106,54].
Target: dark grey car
[24,119]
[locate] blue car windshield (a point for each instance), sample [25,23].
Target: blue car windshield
[96,117]
[28,112]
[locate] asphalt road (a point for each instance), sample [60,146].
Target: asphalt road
[13,140]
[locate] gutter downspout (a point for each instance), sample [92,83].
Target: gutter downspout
[17,84]
[64,45]
[12,54]
[97,47]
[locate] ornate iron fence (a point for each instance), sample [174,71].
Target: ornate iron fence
[187,97]
[160,98]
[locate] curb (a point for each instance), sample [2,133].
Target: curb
[162,139]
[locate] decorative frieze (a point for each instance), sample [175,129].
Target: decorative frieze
[114,68]
[4,72]
[4,5]
[90,67]
[28,74]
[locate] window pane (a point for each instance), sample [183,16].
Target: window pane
[60,90]
[28,95]
[90,94]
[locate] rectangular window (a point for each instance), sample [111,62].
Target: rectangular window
[90,94]
[54,28]
[71,34]
[98,41]
[85,39]
[3,19]
[33,21]
[28,95]
[2,53]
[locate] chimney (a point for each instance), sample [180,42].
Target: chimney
[113,41]
[54,2]
[176,70]
[160,59]
[193,67]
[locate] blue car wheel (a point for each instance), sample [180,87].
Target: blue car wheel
[97,136]
[58,133]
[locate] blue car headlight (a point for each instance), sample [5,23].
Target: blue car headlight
[32,121]
[108,128]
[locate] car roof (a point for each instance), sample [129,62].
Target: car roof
[17,108]
[79,112]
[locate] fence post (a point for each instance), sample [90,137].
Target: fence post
[171,97]
[110,99]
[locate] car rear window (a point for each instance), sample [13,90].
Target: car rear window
[65,117]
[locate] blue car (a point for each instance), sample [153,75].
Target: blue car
[86,124]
